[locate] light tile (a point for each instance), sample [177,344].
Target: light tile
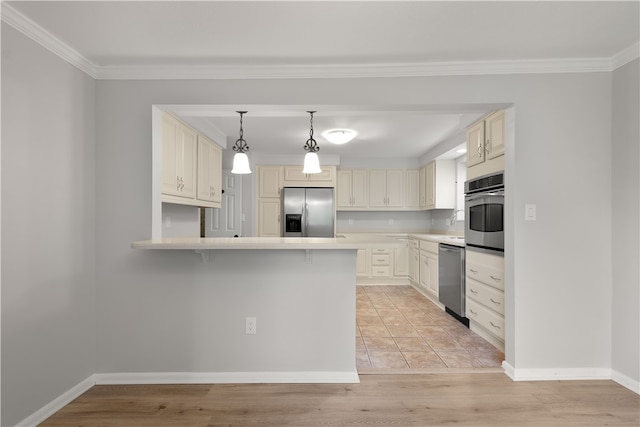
[388,360]
[423,360]
[380,344]
[414,344]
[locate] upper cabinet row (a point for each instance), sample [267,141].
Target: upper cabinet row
[191,166]
[485,145]
[431,187]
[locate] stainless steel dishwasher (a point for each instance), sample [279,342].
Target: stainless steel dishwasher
[451,290]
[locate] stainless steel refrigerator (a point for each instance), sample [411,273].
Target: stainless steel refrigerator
[308,212]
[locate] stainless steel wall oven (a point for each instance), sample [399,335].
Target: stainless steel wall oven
[484,212]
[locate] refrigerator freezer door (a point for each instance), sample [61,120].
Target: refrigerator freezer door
[319,213]
[293,211]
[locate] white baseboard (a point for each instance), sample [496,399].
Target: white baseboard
[625,381]
[318,377]
[556,374]
[58,403]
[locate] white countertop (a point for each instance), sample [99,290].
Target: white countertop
[342,241]
[211,243]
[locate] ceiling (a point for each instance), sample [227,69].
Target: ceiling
[114,39]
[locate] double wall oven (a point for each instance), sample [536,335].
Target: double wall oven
[484,212]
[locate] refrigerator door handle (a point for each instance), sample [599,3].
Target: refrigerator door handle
[305,210]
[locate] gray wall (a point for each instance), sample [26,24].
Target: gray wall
[626,221]
[48,227]
[559,268]
[561,160]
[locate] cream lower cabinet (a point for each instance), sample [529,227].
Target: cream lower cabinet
[380,262]
[485,295]
[362,263]
[401,260]
[269,217]
[429,268]
[414,261]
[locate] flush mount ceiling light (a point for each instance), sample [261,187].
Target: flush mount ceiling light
[339,136]
[311,161]
[240,159]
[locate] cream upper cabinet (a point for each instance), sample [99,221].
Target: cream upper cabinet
[179,153]
[209,172]
[440,184]
[475,144]
[269,181]
[386,188]
[423,187]
[494,135]
[352,189]
[485,145]
[412,195]
[294,173]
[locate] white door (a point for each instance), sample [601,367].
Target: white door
[226,221]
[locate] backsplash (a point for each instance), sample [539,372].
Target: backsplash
[398,221]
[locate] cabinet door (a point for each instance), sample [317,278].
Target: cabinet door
[187,160]
[269,185]
[170,180]
[395,188]
[432,284]
[494,129]
[209,171]
[361,263]
[423,187]
[412,194]
[424,270]
[360,188]
[378,188]
[475,144]
[344,196]
[294,173]
[215,159]
[401,261]
[327,174]
[269,218]
[430,185]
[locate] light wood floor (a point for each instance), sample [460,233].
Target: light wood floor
[380,400]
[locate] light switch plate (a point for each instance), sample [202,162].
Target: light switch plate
[529,212]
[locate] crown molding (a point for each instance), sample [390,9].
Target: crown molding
[190,72]
[43,37]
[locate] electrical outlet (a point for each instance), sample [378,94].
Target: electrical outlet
[390,221]
[350,221]
[167,221]
[250,325]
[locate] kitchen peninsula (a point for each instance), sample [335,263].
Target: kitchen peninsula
[300,291]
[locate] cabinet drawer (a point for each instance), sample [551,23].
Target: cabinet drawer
[485,295]
[381,251]
[486,318]
[380,259]
[427,245]
[485,274]
[380,271]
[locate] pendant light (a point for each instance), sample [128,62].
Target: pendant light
[240,159]
[311,161]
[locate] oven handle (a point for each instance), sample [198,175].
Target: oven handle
[477,196]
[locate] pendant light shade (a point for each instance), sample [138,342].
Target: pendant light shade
[311,163]
[311,160]
[241,164]
[241,160]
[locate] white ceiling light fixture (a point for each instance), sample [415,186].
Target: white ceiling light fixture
[339,136]
[240,159]
[311,160]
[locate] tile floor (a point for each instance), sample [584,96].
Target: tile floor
[398,328]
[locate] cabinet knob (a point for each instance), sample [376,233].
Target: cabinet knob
[495,326]
[479,150]
[495,302]
[487,146]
